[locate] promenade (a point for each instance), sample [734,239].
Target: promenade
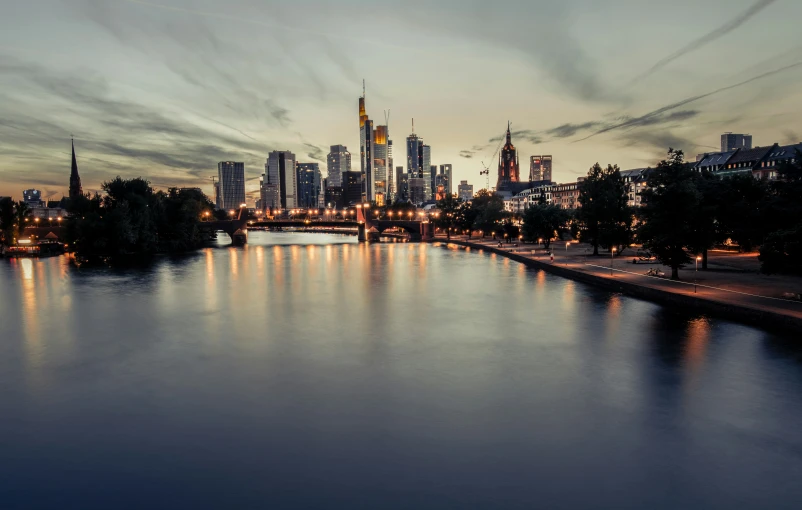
[731,287]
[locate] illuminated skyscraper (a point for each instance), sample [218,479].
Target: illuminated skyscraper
[365,149]
[338,161]
[446,170]
[413,154]
[539,168]
[309,184]
[390,176]
[402,185]
[426,169]
[231,179]
[380,164]
[281,172]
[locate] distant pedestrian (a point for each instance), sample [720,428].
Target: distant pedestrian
[552,257]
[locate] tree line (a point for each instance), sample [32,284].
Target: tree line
[683,214]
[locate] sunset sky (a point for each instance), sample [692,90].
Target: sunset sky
[165,89]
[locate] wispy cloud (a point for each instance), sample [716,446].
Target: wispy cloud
[708,38]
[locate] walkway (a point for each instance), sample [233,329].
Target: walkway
[732,279]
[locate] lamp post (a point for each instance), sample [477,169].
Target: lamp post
[696,274]
[612,254]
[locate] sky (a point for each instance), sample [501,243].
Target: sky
[165,89]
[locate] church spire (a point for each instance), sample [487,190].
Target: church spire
[75,179]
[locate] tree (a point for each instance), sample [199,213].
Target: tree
[742,200]
[466,218]
[782,250]
[489,209]
[667,215]
[7,218]
[604,217]
[708,228]
[545,222]
[448,208]
[22,212]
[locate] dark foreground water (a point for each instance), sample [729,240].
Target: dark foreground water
[306,371]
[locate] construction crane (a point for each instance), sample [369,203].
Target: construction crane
[485,169]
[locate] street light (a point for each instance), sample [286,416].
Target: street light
[696,275]
[612,254]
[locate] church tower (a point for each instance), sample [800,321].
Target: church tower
[75,180]
[508,170]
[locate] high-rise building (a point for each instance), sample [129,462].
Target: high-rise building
[338,161]
[367,174]
[75,180]
[508,170]
[380,139]
[401,184]
[417,190]
[390,176]
[309,185]
[441,186]
[352,188]
[334,197]
[432,178]
[465,191]
[447,170]
[414,154]
[540,168]
[281,172]
[426,168]
[732,141]
[231,179]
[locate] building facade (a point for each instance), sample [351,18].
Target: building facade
[309,185]
[337,162]
[426,169]
[231,180]
[540,168]
[352,188]
[380,162]
[508,169]
[417,190]
[732,141]
[281,171]
[447,170]
[465,191]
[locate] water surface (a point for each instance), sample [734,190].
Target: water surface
[308,371]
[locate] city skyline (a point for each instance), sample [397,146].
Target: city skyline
[166,91]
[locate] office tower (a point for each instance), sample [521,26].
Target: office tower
[334,197]
[426,168]
[367,174]
[338,161]
[309,184]
[380,165]
[417,190]
[446,170]
[218,204]
[231,182]
[401,185]
[432,177]
[75,180]
[352,188]
[281,172]
[413,154]
[540,168]
[465,191]
[390,176]
[441,186]
[732,141]
[508,170]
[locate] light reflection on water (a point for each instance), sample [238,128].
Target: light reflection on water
[307,371]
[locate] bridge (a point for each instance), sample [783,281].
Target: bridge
[366,231]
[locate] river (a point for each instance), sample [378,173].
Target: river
[309,371]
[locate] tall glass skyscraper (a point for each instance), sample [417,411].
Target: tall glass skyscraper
[281,172]
[446,170]
[413,155]
[231,179]
[426,170]
[309,183]
[380,164]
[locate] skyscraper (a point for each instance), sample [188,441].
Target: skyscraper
[231,179]
[390,176]
[417,190]
[413,154]
[426,169]
[446,170]
[309,184]
[508,170]
[365,149]
[380,164]
[402,185]
[352,188]
[732,141]
[338,161]
[281,172]
[539,168]
[465,191]
[75,180]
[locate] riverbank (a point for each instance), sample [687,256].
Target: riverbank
[733,295]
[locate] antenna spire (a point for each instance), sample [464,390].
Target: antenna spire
[363,87]
[413,125]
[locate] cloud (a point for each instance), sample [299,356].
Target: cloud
[315,152]
[707,38]
[525,134]
[656,115]
[569,130]
[466,154]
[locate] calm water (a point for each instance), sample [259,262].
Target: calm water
[307,371]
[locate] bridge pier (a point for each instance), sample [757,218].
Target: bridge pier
[362,233]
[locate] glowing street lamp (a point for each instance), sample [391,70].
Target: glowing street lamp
[612,254]
[696,275]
